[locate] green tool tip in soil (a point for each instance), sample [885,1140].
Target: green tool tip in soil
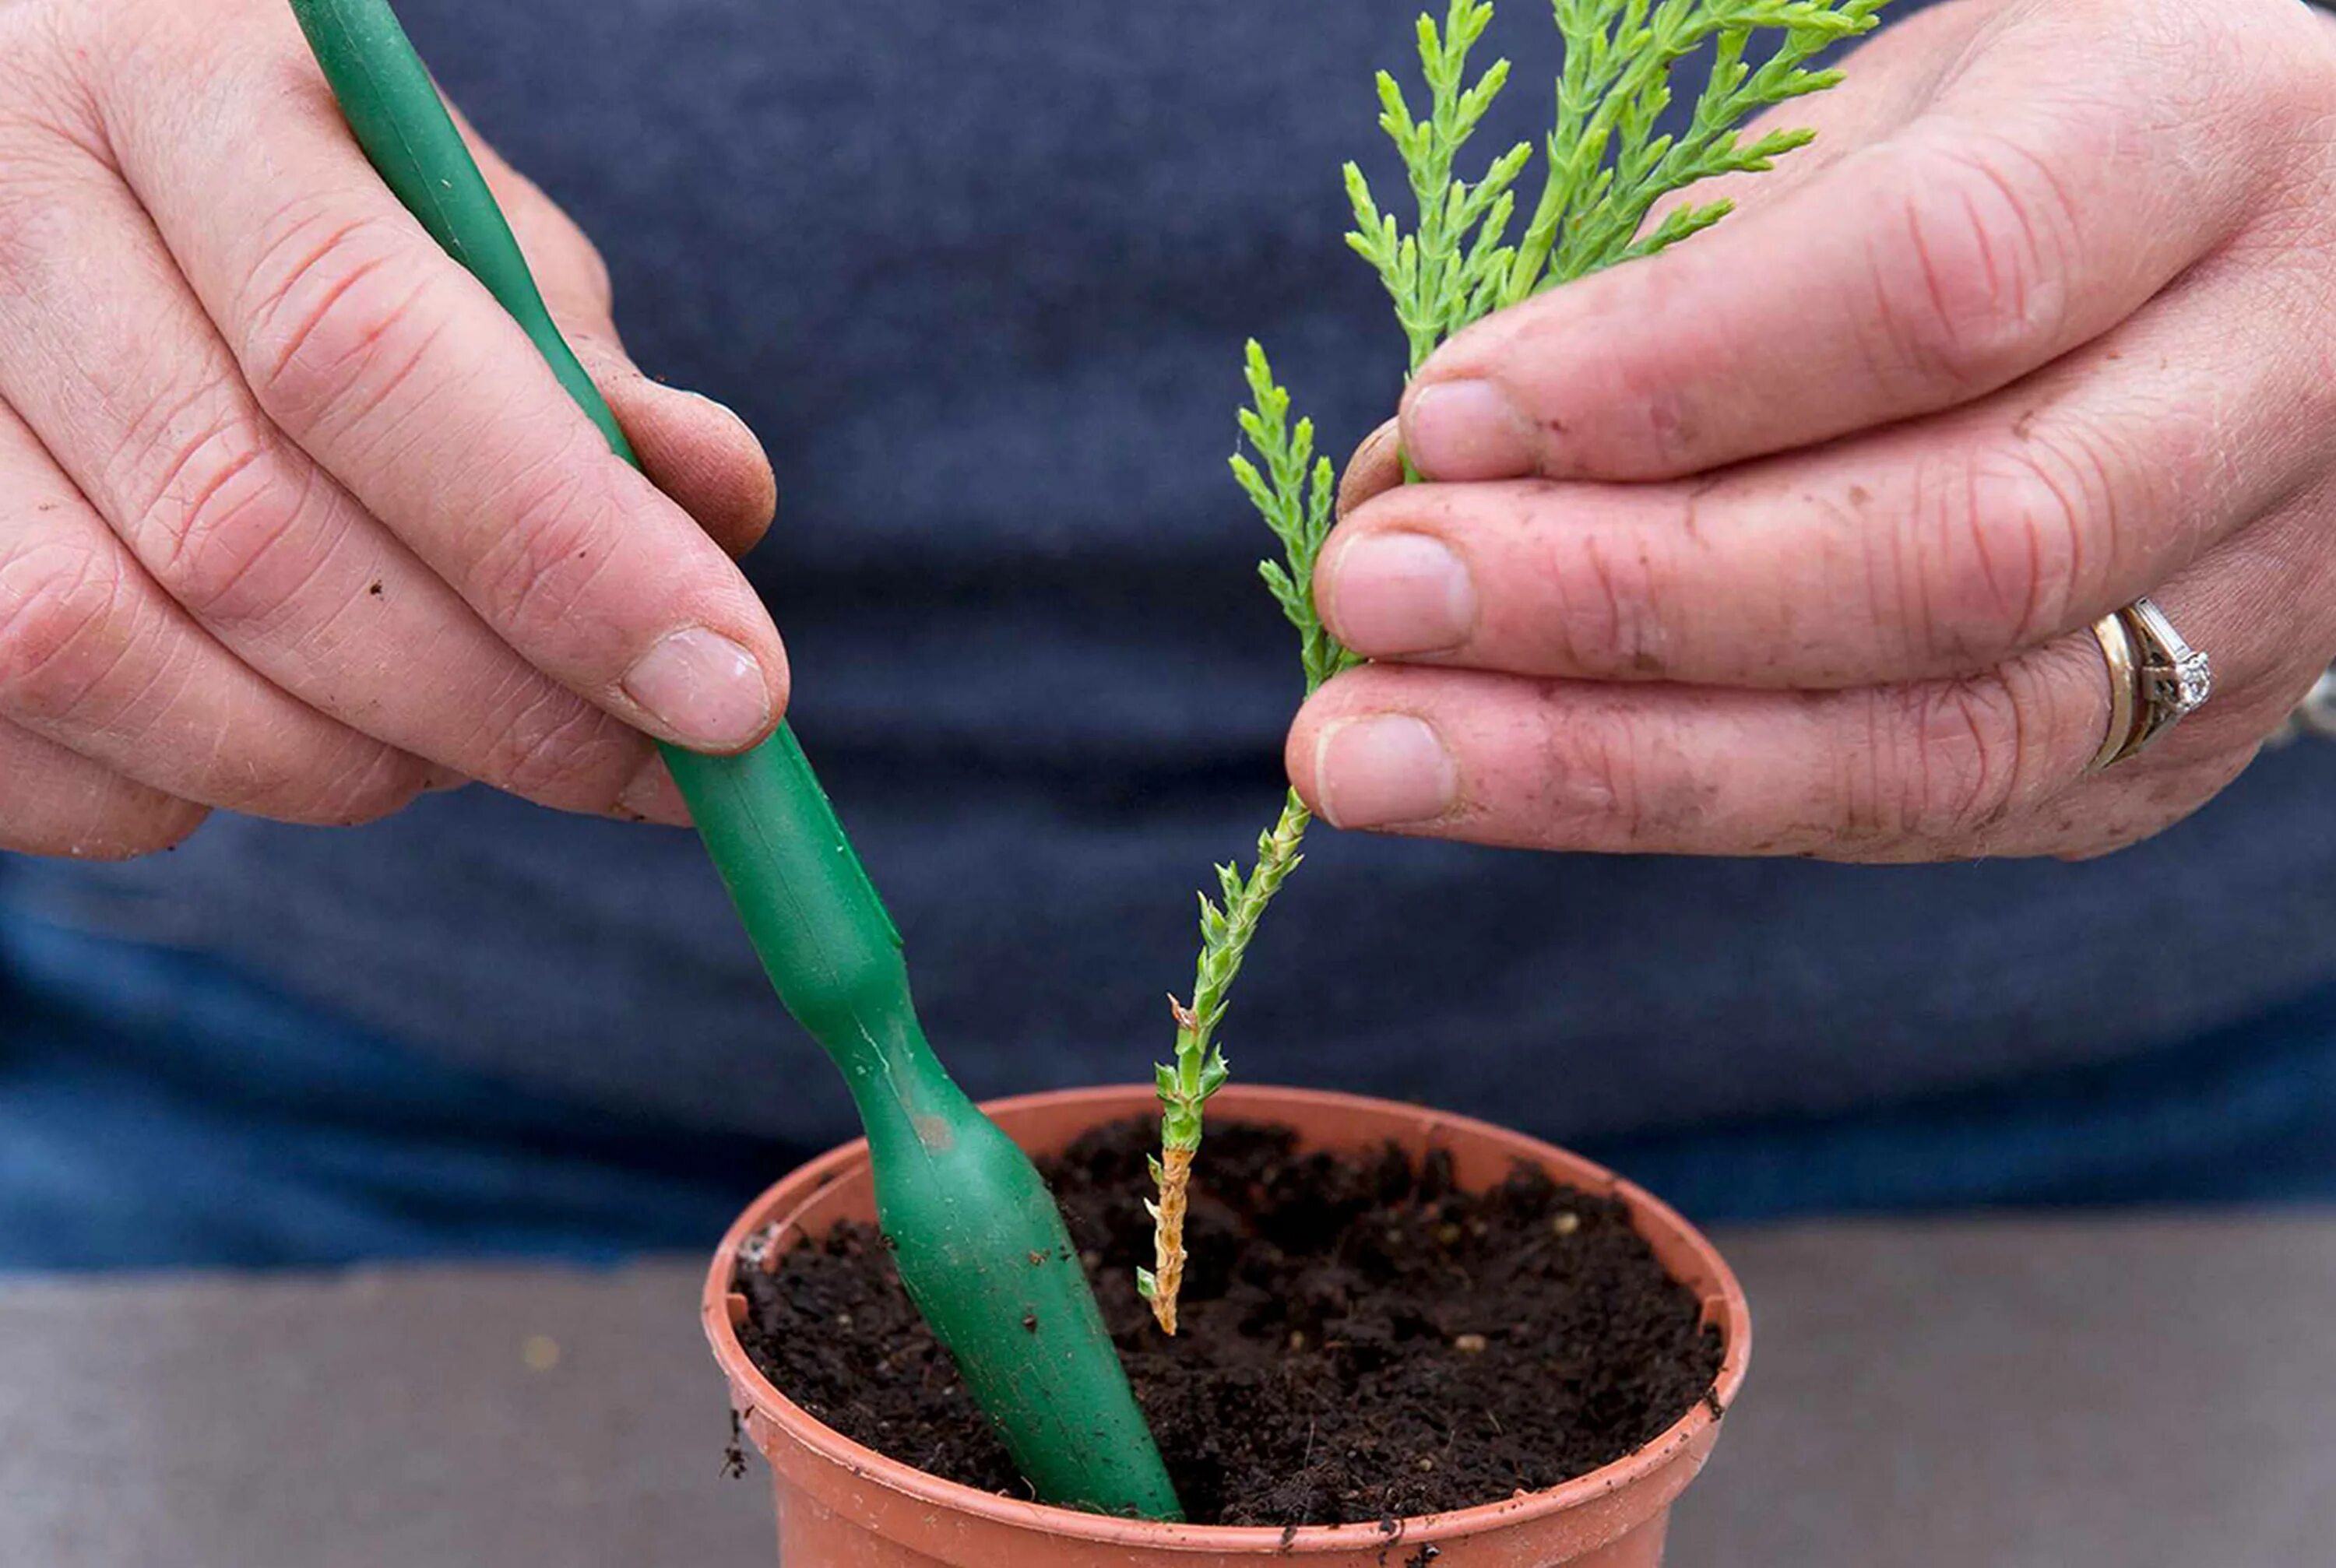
[980,1241]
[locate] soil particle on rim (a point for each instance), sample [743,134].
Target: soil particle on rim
[1362,1342]
[734,1457]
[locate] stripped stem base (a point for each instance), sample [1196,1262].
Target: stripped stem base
[1168,1235]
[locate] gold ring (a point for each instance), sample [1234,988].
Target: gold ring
[2175,679]
[2125,690]
[2157,679]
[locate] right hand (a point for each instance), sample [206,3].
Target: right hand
[294,522]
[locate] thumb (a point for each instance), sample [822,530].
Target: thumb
[1375,468]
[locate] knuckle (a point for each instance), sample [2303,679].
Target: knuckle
[1587,780]
[552,547]
[335,323]
[1600,602]
[1968,282]
[2001,557]
[62,627]
[1945,762]
[288,772]
[289,769]
[1658,423]
[560,750]
[361,781]
[224,532]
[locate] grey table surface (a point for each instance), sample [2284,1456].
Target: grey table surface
[2134,1393]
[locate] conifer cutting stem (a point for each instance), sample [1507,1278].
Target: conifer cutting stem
[1608,165]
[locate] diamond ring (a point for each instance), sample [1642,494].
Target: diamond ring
[2156,678]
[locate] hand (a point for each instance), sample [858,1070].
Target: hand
[1787,541]
[293,519]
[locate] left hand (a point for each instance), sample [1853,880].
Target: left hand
[1789,541]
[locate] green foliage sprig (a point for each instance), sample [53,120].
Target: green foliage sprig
[1295,491]
[1296,494]
[1607,167]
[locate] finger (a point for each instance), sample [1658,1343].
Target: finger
[2025,215]
[95,659]
[694,449]
[53,802]
[1375,468]
[398,372]
[122,376]
[1889,79]
[1932,549]
[1990,763]
[1892,74]
[699,452]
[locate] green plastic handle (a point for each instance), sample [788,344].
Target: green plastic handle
[980,1241]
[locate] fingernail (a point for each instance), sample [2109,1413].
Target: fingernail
[1382,772]
[1466,430]
[1398,593]
[1376,467]
[706,692]
[654,796]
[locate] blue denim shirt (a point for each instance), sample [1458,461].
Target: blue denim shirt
[980,274]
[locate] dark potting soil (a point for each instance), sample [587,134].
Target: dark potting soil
[1360,1341]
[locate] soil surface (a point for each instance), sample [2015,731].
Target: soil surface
[1360,1341]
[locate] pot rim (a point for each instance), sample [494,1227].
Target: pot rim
[1725,1307]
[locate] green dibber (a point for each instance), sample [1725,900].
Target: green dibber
[978,1239]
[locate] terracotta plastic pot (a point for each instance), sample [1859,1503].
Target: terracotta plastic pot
[841,1506]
